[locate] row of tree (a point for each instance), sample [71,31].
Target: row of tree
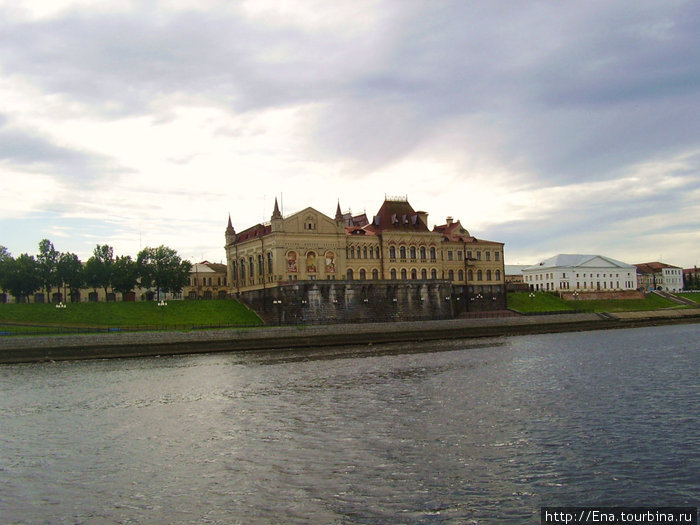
[160,268]
[691,281]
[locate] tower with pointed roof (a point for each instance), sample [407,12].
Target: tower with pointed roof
[230,232]
[276,220]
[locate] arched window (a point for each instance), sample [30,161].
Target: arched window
[242,268]
[261,266]
[451,275]
[311,262]
[291,262]
[498,274]
[413,252]
[269,262]
[352,252]
[424,274]
[414,274]
[393,274]
[432,253]
[234,270]
[460,275]
[422,253]
[479,275]
[470,275]
[375,274]
[402,252]
[488,275]
[330,262]
[363,274]
[433,273]
[404,274]
[376,252]
[392,252]
[364,252]
[371,253]
[251,267]
[349,274]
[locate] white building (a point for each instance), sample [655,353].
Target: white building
[660,276]
[586,273]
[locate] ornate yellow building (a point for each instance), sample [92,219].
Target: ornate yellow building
[396,245]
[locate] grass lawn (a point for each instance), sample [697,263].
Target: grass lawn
[182,315]
[547,302]
[689,295]
[541,302]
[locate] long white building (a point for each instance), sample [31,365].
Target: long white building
[586,273]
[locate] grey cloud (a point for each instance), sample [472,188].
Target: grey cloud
[576,91]
[31,151]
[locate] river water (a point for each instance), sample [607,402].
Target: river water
[473,431]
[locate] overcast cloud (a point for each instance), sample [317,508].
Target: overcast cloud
[555,127]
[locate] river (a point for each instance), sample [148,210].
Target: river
[471,431]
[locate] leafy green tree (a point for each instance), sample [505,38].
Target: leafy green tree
[125,275]
[98,269]
[70,273]
[47,260]
[23,276]
[5,260]
[163,268]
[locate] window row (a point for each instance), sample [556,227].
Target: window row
[404,275]
[203,281]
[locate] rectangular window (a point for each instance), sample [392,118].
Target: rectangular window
[449,255]
[497,256]
[459,255]
[478,256]
[469,254]
[488,256]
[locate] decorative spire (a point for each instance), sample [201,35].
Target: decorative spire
[229,228]
[338,213]
[276,213]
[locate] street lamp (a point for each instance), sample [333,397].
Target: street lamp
[278,304]
[60,307]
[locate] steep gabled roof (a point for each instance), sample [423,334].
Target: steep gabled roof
[454,231]
[397,215]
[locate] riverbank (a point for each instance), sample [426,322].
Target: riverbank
[142,344]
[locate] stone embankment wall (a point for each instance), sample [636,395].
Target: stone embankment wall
[313,302]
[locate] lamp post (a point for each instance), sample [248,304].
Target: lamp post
[60,307]
[161,306]
[278,304]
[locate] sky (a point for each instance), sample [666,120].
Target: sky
[553,127]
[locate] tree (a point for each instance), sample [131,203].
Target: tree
[5,260]
[70,273]
[125,275]
[98,269]
[47,261]
[23,276]
[163,268]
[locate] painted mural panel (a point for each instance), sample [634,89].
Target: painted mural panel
[311,262]
[330,262]
[291,262]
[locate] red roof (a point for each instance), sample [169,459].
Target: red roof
[254,232]
[397,215]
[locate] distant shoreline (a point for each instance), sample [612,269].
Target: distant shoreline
[28,349]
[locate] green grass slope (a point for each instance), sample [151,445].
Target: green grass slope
[176,315]
[548,302]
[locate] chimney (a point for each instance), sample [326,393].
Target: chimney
[449,220]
